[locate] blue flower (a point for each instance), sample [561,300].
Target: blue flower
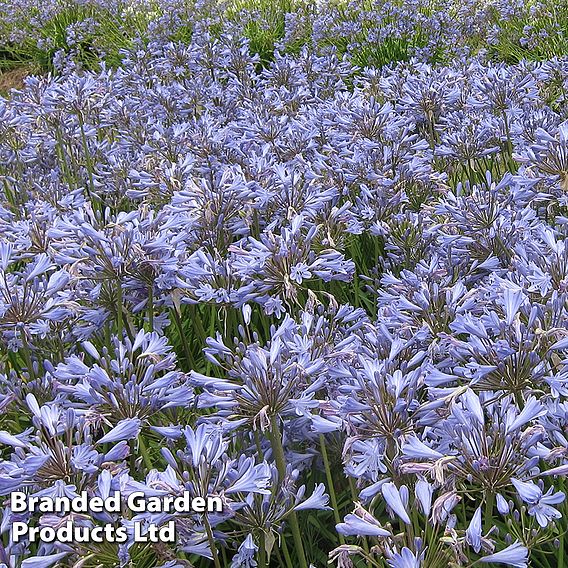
[125,430]
[515,555]
[405,559]
[43,561]
[394,499]
[245,555]
[361,523]
[473,532]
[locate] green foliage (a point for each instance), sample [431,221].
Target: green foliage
[101,36]
[539,33]
[264,24]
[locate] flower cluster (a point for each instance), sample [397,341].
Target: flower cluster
[68,35]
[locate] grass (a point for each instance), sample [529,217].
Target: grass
[543,35]
[536,33]
[85,32]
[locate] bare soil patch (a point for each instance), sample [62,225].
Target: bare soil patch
[14,78]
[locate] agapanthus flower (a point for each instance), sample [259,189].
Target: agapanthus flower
[361,523]
[132,381]
[540,504]
[288,259]
[514,555]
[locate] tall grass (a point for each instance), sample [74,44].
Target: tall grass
[536,32]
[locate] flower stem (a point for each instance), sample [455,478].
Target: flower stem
[330,487]
[119,310]
[186,350]
[488,519]
[88,159]
[262,551]
[211,540]
[278,449]
[27,357]
[562,536]
[144,452]
[286,553]
[151,307]
[355,497]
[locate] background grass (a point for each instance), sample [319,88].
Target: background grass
[369,33]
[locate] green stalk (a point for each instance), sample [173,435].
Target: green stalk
[278,449]
[151,307]
[262,551]
[10,197]
[88,160]
[562,536]
[487,521]
[287,558]
[330,486]
[184,343]
[27,357]
[144,452]
[258,446]
[212,322]
[509,145]
[119,310]
[132,461]
[355,497]
[72,182]
[211,540]
[431,132]
[206,524]
[198,324]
